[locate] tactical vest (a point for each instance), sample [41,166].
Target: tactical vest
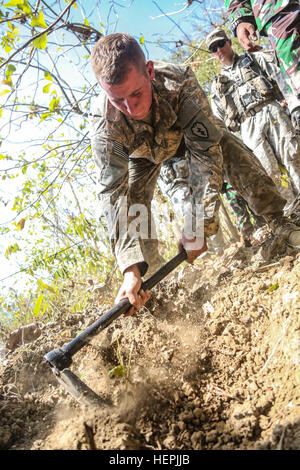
[244,97]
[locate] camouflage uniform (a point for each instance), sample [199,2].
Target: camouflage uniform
[244,95]
[130,154]
[280,21]
[242,212]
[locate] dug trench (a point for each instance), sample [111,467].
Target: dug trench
[212,362]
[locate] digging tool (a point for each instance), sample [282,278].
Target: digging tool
[61,359]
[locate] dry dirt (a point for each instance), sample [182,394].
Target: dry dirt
[211,363]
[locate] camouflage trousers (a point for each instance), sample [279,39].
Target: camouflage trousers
[284,34]
[254,189]
[247,221]
[273,139]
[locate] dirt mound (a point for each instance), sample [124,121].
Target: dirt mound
[211,363]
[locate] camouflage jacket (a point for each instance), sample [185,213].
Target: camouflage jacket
[265,66]
[257,12]
[177,99]
[180,111]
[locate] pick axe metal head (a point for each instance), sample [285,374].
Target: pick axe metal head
[59,362]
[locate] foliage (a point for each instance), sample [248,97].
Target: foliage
[123,368]
[48,177]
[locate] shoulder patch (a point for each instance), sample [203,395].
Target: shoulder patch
[199,130]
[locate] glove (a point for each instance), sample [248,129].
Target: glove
[295,117]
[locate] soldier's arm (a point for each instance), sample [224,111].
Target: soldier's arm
[243,23]
[111,158]
[240,11]
[202,139]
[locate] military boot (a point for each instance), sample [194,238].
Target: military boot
[283,234]
[287,231]
[246,235]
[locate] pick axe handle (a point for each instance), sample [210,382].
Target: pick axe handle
[122,307]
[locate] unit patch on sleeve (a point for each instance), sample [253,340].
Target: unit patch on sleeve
[199,130]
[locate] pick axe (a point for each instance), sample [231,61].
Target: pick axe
[61,359]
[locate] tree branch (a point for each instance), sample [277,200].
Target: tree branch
[47,30]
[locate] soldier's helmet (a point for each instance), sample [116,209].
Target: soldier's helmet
[216,35]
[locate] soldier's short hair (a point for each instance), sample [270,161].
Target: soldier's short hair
[114,54]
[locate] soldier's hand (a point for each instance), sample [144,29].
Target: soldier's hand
[295,117]
[245,32]
[131,289]
[193,247]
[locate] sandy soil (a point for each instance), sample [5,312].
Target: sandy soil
[211,363]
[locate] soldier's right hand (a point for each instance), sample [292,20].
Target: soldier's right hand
[245,32]
[131,289]
[192,246]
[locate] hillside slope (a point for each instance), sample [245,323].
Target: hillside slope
[211,363]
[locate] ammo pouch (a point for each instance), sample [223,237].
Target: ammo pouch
[243,98]
[174,169]
[224,89]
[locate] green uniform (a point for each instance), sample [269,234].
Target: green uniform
[280,21]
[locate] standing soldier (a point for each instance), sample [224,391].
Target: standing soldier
[148,113]
[245,96]
[280,21]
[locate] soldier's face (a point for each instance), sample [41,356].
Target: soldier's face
[133,96]
[224,54]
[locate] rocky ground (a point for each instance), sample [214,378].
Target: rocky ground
[211,363]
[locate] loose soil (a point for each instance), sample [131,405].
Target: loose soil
[211,363]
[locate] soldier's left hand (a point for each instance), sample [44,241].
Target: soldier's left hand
[295,117]
[193,247]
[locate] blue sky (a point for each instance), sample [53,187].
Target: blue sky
[146,17]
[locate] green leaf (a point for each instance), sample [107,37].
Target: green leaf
[45,116]
[25,7]
[15,3]
[38,305]
[10,70]
[3,92]
[48,76]
[54,104]
[117,371]
[40,42]
[42,285]
[11,249]
[273,287]
[38,21]
[7,48]
[46,88]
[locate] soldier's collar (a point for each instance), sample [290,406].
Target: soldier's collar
[235,58]
[163,115]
